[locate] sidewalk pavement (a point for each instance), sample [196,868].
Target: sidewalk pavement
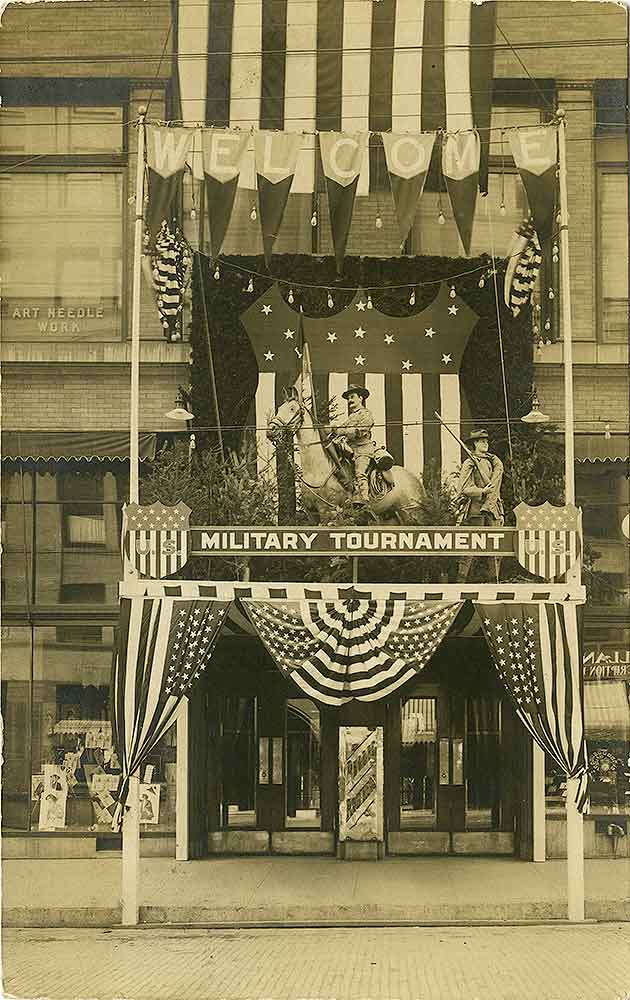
[237,891]
[563,962]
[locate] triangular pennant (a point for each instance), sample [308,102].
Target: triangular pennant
[342,157]
[408,157]
[167,152]
[276,159]
[223,151]
[535,152]
[461,153]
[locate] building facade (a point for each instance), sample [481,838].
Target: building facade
[75,77]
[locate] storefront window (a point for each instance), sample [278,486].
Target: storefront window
[603,492]
[61,256]
[17,532]
[303,760]
[613,253]
[418,763]
[16,703]
[239,762]
[482,751]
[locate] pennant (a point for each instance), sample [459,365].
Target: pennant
[342,158]
[276,156]
[408,158]
[167,152]
[535,152]
[223,152]
[461,153]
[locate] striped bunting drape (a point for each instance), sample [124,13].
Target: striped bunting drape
[336,65]
[353,649]
[537,652]
[164,645]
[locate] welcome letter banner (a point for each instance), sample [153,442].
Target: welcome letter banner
[276,156]
[167,152]
[223,151]
[408,158]
[342,158]
[461,154]
[535,152]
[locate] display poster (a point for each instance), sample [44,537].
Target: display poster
[149,803]
[54,796]
[360,783]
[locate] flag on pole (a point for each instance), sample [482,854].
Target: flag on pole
[164,646]
[537,652]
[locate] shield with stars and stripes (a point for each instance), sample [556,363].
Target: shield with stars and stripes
[155,538]
[548,541]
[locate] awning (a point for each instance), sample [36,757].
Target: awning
[598,448]
[606,709]
[56,445]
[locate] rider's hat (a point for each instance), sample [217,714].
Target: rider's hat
[359,389]
[478,435]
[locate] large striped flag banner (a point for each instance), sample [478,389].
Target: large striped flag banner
[336,65]
[164,646]
[537,652]
[410,365]
[352,649]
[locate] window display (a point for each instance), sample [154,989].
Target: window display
[303,762]
[418,763]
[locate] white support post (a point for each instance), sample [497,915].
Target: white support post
[131,855]
[575,854]
[539,852]
[181,785]
[575,822]
[131,815]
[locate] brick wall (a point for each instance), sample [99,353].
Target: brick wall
[600,396]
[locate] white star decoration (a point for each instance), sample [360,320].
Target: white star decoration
[267,310]
[388,338]
[360,333]
[430,332]
[269,356]
[361,305]
[446,359]
[406,365]
[453,310]
[332,336]
[289,334]
[359,360]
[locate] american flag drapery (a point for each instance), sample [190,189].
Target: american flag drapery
[336,65]
[164,645]
[339,650]
[537,652]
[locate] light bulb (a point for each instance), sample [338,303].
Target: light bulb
[551,294]
[250,285]
[607,432]
[331,304]
[314,219]
[502,209]
[452,292]
[559,217]
[193,214]
[253,214]
[369,302]
[555,248]
[536,328]
[537,307]
[146,199]
[379,222]
[290,296]
[217,273]
[547,324]
[482,281]
[441,218]
[131,200]
[412,297]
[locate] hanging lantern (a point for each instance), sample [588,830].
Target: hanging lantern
[369,301]
[314,219]
[290,296]
[412,297]
[331,304]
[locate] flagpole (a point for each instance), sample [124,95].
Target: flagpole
[575,822]
[131,813]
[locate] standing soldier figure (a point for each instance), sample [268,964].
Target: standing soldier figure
[354,435]
[479,489]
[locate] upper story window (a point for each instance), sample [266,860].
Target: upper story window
[612,199]
[62,189]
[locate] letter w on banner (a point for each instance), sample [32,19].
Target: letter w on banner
[167,154]
[164,646]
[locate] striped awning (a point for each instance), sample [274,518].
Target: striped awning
[607,709]
[58,445]
[599,448]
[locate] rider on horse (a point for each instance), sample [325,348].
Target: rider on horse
[354,437]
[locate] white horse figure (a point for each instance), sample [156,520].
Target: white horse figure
[324,486]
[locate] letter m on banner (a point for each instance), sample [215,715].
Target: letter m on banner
[548,539]
[155,538]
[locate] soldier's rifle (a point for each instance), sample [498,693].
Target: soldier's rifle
[471,455]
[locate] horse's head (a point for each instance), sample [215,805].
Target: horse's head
[288,416]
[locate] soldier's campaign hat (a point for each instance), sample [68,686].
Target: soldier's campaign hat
[478,435]
[359,389]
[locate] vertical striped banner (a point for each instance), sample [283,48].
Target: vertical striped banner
[355,70]
[300,95]
[246,79]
